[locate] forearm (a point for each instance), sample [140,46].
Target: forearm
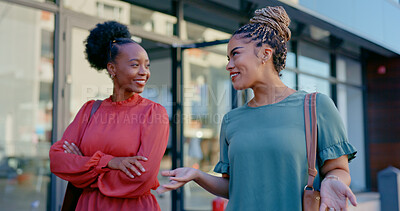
[116,183]
[216,185]
[80,170]
[338,167]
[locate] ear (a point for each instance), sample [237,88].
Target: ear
[267,53]
[111,69]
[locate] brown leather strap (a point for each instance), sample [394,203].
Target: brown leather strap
[311,136]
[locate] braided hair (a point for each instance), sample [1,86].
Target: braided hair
[269,26]
[102,44]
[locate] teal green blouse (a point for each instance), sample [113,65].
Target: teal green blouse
[263,150]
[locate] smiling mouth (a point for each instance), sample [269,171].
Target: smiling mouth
[234,75]
[140,82]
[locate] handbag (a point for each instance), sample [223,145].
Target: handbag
[311,197]
[73,193]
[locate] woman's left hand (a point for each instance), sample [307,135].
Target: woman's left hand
[71,148]
[334,194]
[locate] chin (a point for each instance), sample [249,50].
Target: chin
[138,91]
[239,87]
[135,90]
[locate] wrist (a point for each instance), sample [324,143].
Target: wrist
[109,163]
[331,177]
[197,175]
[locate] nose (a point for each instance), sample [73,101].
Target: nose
[229,66]
[144,70]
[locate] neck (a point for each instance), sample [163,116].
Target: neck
[118,96]
[270,94]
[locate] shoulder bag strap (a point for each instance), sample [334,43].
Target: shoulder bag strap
[311,136]
[95,106]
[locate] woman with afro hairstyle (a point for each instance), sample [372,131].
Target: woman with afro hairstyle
[263,159]
[114,154]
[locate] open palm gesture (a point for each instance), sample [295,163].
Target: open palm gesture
[178,178]
[334,194]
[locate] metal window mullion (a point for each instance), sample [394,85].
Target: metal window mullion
[332,68]
[57,186]
[296,61]
[330,79]
[177,196]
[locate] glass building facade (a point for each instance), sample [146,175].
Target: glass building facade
[45,79]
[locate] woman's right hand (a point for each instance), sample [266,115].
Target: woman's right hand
[127,163]
[178,178]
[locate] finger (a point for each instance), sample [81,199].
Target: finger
[140,158]
[351,196]
[323,207]
[168,173]
[76,149]
[140,166]
[73,151]
[126,171]
[179,179]
[67,149]
[161,190]
[132,168]
[173,185]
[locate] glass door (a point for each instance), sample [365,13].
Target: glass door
[206,98]
[85,83]
[26,81]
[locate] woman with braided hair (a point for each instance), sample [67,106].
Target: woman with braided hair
[114,154]
[263,158]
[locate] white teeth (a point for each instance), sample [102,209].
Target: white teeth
[141,82]
[233,75]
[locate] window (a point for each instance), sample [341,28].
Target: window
[350,105]
[314,63]
[108,12]
[152,21]
[26,80]
[106,9]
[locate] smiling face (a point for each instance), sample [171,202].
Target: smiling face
[244,64]
[131,69]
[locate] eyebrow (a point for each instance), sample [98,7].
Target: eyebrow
[234,49]
[137,60]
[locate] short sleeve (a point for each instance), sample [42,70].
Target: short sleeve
[223,164]
[332,135]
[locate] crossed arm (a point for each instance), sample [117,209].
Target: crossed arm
[124,164]
[126,177]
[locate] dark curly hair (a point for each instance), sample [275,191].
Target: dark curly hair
[269,26]
[103,41]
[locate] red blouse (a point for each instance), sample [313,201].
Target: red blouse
[136,126]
